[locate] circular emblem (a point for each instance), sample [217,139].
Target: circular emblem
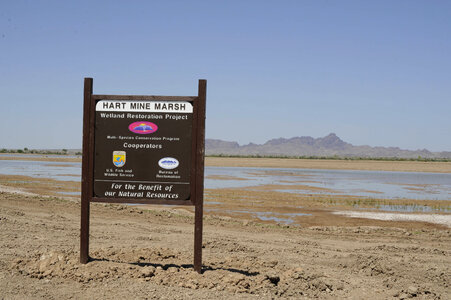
[168,163]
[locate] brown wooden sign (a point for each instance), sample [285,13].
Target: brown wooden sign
[143,149]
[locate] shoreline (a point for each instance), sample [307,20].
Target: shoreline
[282,163]
[270,204]
[270,207]
[361,165]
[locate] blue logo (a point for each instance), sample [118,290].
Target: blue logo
[168,163]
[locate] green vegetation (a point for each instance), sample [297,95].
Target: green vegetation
[335,157]
[31,151]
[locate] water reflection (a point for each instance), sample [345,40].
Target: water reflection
[63,171]
[380,184]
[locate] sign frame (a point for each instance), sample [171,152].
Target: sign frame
[196,169]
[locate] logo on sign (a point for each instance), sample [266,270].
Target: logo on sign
[168,163]
[142,127]
[119,158]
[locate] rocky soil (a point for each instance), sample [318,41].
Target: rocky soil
[143,254]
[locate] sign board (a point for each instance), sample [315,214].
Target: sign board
[143,149]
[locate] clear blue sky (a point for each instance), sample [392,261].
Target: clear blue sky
[373,72]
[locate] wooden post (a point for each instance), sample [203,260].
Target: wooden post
[199,189]
[85,181]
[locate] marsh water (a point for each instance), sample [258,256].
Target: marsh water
[64,171]
[376,184]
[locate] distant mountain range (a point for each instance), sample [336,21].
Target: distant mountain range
[330,145]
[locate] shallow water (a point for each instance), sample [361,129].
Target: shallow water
[63,171]
[376,184]
[39,155]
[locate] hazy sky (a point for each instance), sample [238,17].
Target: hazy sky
[373,72]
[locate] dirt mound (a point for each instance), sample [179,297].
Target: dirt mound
[163,267]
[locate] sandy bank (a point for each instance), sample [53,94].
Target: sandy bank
[368,165]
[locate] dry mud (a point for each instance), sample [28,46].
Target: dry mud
[144,254]
[369,165]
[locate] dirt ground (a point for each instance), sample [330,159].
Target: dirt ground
[368,165]
[144,254]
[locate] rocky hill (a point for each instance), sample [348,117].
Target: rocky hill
[330,145]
